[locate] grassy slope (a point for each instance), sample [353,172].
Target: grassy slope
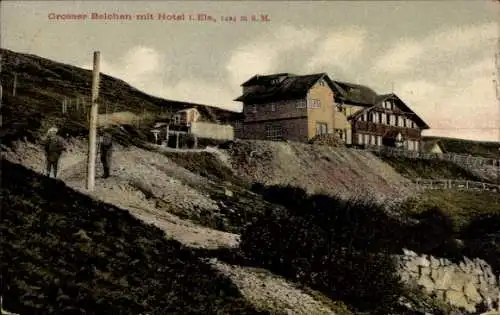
[42,84]
[461,206]
[63,251]
[476,148]
[429,169]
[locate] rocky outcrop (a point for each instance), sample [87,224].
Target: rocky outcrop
[467,284]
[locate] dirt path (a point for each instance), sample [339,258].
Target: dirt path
[269,291]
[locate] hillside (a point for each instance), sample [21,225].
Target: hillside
[43,84]
[202,200]
[487,149]
[65,252]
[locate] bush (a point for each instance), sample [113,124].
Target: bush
[482,239]
[327,244]
[434,231]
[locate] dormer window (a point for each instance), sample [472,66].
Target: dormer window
[275,81]
[321,83]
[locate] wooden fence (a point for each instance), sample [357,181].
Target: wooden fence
[456,184]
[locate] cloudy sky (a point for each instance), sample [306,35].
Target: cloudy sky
[438,56]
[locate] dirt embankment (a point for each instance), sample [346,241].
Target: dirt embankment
[317,169]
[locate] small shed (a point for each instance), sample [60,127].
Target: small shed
[433,146]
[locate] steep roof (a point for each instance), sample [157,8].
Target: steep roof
[405,108]
[402,105]
[264,79]
[427,145]
[356,93]
[290,87]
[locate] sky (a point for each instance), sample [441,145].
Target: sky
[437,56]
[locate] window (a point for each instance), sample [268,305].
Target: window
[413,124]
[301,104]
[340,133]
[379,140]
[274,132]
[237,124]
[388,119]
[404,122]
[321,83]
[380,118]
[314,103]
[367,139]
[396,121]
[273,107]
[360,138]
[373,140]
[321,128]
[393,120]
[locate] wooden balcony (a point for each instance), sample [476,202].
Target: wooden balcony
[381,129]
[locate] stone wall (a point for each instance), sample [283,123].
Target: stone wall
[467,284]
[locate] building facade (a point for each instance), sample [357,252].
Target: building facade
[284,106]
[389,122]
[287,107]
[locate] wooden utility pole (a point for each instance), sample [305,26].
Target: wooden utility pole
[14,85]
[93,123]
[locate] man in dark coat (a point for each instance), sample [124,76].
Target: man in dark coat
[54,147]
[106,149]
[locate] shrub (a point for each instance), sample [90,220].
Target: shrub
[482,239]
[433,234]
[327,244]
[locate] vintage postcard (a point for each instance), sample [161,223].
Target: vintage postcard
[250,157]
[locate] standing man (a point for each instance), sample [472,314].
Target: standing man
[106,149]
[54,147]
